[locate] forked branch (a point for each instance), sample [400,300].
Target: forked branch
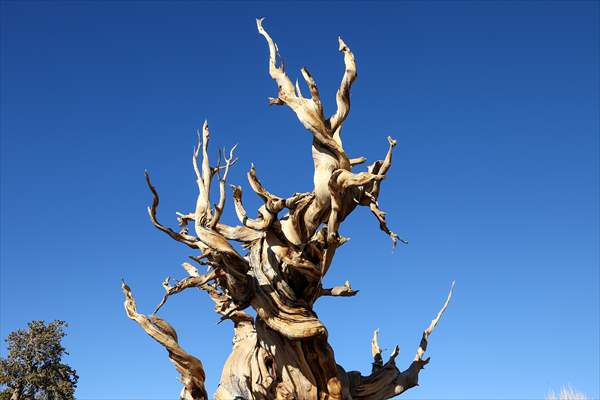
[308,111]
[193,281]
[386,381]
[370,194]
[222,193]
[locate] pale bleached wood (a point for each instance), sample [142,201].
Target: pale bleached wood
[276,263]
[190,368]
[386,380]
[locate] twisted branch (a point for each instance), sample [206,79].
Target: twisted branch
[180,237]
[343,94]
[190,368]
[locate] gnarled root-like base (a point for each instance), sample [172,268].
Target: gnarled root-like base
[267,365]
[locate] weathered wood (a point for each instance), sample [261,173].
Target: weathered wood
[282,353]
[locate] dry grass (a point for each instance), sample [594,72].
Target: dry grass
[566,393]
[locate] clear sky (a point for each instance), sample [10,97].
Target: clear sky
[495,181]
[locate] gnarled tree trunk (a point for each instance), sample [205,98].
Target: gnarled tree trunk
[283,353]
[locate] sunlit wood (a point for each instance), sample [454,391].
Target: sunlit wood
[284,352]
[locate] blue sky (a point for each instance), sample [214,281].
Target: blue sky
[495,181]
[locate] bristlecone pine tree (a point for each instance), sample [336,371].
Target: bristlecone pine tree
[283,352]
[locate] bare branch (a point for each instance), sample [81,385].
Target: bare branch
[381,167]
[189,282]
[237,233]
[338,183]
[190,269]
[314,91]
[259,189]
[203,178]
[386,381]
[380,215]
[206,171]
[344,291]
[277,73]
[357,161]
[387,161]
[308,111]
[376,351]
[298,91]
[211,239]
[370,192]
[264,220]
[424,340]
[342,179]
[343,94]
[183,238]
[190,368]
[222,193]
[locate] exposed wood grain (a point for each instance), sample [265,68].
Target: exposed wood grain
[288,248]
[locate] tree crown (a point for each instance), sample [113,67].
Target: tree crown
[33,368]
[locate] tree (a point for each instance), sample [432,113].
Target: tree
[282,353]
[33,369]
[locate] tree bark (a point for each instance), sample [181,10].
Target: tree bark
[282,353]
